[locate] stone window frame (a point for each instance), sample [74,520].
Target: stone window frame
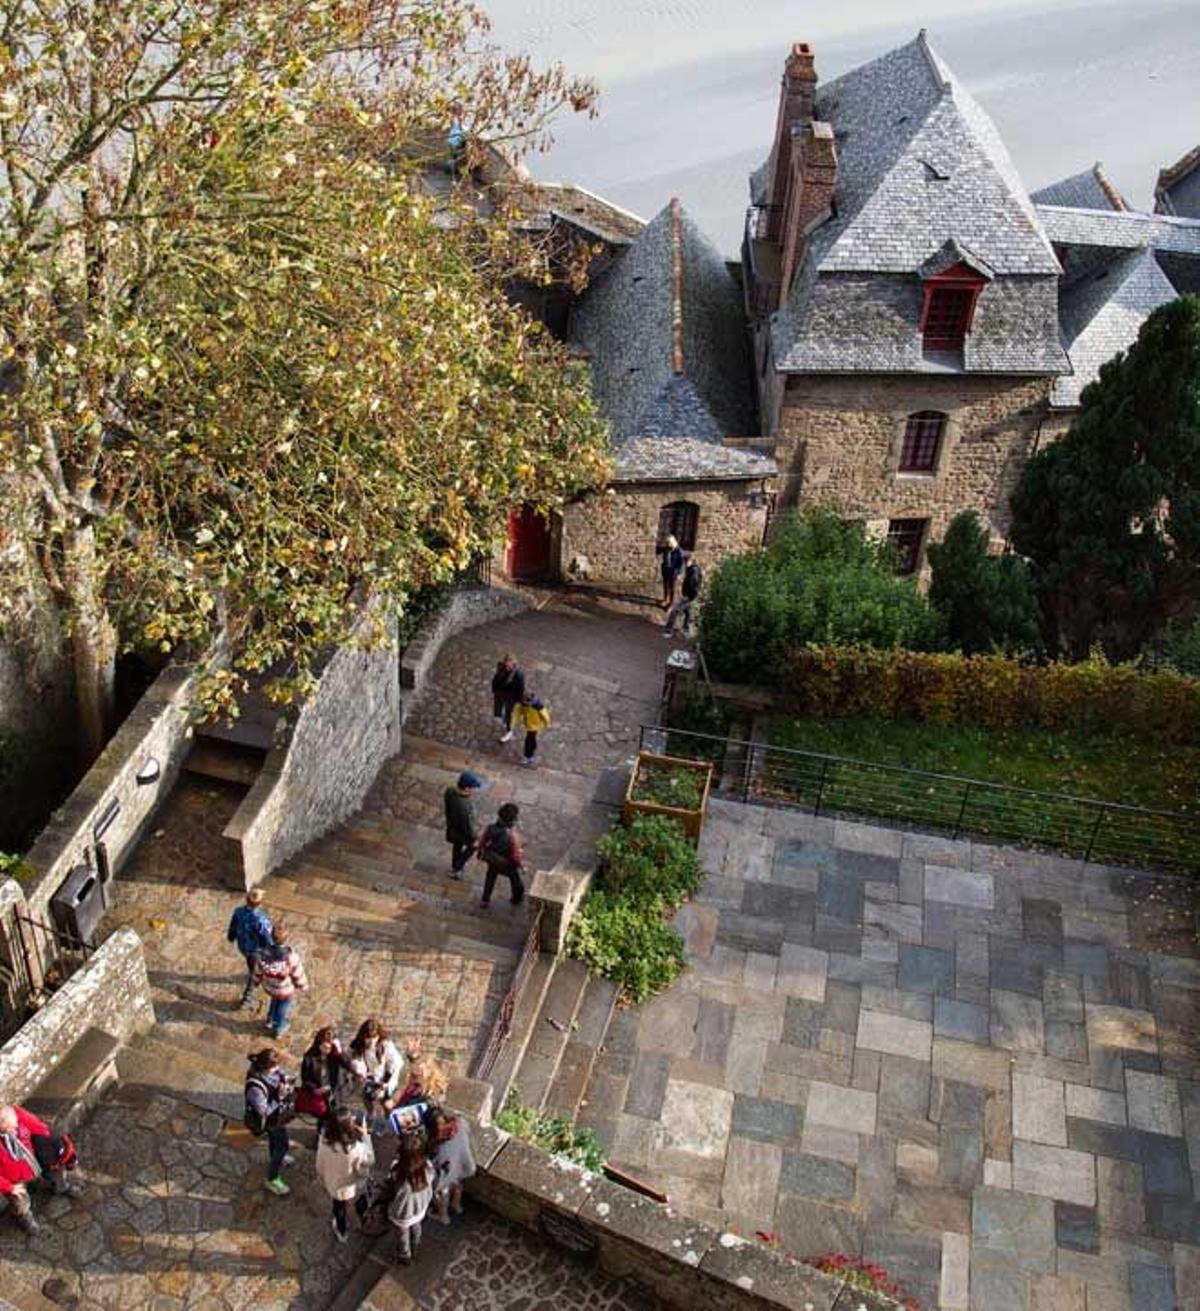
[946,443]
[907,537]
[923,416]
[683,524]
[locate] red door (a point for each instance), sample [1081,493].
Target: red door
[528,544]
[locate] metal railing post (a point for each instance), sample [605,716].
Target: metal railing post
[821,785]
[962,810]
[1101,811]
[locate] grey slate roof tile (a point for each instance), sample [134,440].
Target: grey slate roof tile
[1124,230]
[667,425]
[1090,189]
[1103,314]
[920,166]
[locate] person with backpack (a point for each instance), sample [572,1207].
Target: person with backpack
[250,928]
[670,567]
[533,715]
[414,1178]
[345,1156]
[508,687]
[689,591]
[29,1150]
[269,1107]
[460,820]
[500,850]
[281,972]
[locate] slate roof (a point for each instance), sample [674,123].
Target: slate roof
[1102,314]
[1091,189]
[1127,230]
[1178,188]
[637,322]
[919,165]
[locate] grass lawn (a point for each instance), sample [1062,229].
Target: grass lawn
[1125,770]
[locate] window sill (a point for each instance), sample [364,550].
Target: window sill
[913,476]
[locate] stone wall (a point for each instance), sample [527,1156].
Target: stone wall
[686,1263]
[341,737]
[111,993]
[617,530]
[840,437]
[467,608]
[157,729]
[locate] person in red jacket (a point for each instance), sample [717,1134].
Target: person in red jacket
[28,1151]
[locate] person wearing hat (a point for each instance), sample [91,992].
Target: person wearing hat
[671,566]
[461,831]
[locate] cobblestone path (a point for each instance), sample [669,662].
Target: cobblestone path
[979,1067]
[175,1217]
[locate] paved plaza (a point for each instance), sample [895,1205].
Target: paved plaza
[977,1066]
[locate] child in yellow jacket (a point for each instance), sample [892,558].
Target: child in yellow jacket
[533,715]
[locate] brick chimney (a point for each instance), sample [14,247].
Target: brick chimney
[809,197]
[797,93]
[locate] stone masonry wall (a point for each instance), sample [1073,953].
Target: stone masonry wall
[156,729]
[466,608]
[618,529]
[342,736]
[111,992]
[839,439]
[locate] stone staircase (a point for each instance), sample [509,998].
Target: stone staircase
[557,1035]
[234,751]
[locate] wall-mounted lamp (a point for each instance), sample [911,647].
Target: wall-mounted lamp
[148,773]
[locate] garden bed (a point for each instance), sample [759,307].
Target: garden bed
[671,786]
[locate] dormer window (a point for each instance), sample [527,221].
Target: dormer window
[951,294]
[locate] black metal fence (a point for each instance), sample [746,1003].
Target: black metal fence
[36,958]
[1101,831]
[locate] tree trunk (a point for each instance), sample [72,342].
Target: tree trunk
[93,642]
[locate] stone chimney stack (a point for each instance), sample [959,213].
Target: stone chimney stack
[809,200]
[797,94]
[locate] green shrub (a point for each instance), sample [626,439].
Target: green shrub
[821,579]
[650,861]
[991,690]
[989,602]
[668,785]
[627,941]
[552,1134]
[1181,646]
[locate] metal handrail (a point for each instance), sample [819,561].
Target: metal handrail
[1121,815]
[502,1025]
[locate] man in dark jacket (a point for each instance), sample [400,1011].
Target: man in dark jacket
[500,849]
[689,590]
[461,832]
[250,928]
[508,687]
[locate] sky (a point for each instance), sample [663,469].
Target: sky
[689,88]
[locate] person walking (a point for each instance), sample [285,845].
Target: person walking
[501,851]
[281,972]
[30,1151]
[670,567]
[269,1107]
[250,928]
[414,1191]
[345,1156]
[508,687]
[322,1072]
[461,832]
[452,1160]
[533,715]
[689,591]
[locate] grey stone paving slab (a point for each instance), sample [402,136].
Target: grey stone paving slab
[1087,1103]
[1076,1227]
[1041,920]
[1165,1166]
[842,1003]
[1152,1288]
[840,1108]
[802,972]
[1039,1110]
[816,1176]
[1017,1022]
[802,1023]
[766,1120]
[714,1028]
[924,969]
[998,1283]
[956,1104]
[960,887]
[1015,967]
[647,1085]
[1153,1103]
[961,1020]
[895,1035]
[1066,1042]
[1015,1225]
[1057,1172]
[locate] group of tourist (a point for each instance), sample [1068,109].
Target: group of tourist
[359,1094]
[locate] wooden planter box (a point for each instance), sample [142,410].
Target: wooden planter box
[691,820]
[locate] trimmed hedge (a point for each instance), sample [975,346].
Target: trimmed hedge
[991,690]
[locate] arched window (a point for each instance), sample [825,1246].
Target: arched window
[922,441]
[680,520]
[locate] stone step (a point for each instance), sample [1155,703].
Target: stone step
[199,1076]
[219,760]
[583,1046]
[551,1032]
[525,1016]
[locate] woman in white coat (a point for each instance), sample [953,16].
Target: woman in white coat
[344,1159]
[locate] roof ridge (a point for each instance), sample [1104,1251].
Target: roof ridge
[677,286]
[940,80]
[1123,215]
[1105,184]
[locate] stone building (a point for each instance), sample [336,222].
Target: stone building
[1177,191]
[903,298]
[663,331]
